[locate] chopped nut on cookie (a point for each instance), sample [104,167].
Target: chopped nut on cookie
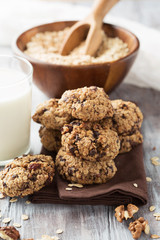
[121,213]
[9,233]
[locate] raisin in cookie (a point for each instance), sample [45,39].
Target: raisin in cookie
[88,103]
[127,117]
[50,138]
[128,142]
[88,140]
[26,175]
[84,172]
[51,115]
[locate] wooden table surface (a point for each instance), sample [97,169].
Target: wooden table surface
[94,222]
[98,222]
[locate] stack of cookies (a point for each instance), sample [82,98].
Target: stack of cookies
[88,130]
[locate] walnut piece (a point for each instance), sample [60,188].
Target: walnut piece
[9,233]
[138,226]
[121,214]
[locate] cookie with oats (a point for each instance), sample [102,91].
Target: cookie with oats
[87,103]
[127,117]
[26,175]
[83,172]
[130,141]
[89,141]
[51,115]
[50,138]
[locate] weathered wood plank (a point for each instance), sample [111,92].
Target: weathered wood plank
[94,222]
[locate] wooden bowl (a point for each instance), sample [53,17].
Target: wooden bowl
[54,79]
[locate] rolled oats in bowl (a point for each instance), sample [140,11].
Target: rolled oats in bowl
[45,46]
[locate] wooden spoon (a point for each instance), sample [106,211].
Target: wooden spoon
[91,25]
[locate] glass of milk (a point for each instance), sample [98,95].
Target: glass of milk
[15,107]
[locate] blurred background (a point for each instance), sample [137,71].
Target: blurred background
[16,15]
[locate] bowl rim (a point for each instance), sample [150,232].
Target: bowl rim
[16,50]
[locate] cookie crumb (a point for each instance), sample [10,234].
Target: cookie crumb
[148,179]
[17,225]
[6,220]
[59,231]
[135,185]
[155,236]
[68,189]
[24,217]
[12,200]
[152,208]
[75,185]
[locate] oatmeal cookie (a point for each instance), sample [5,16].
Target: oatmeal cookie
[51,115]
[50,138]
[88,103]
[128,142]
[84,172]
[127,117]
[26,175]
[106,123]
[89,141]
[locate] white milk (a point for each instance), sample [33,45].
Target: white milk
[15,113]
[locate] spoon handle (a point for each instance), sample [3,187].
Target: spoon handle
[101,8]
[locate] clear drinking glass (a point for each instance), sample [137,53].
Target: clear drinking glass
[15,107]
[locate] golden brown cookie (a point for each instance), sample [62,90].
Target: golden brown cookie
[88,103]
[128,142]
[26,175]
[50,138]
[88,140]
[127,117]
[51,115]
[84,172]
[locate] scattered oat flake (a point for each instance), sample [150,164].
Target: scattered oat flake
[6,220]
[156,163]
[148,179]
[12,200]
[152,208]
[59,231]
[135,185]
[17,225]
[46,237]
[24,217]
[68,189]
[1,196]
[156,214]
[158,218]
[55,238]
[154,158]
[75,185]
[155,236]
[28,202]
